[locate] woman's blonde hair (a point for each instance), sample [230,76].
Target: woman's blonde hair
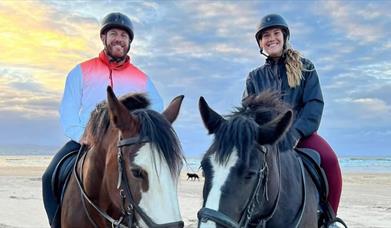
[293,65]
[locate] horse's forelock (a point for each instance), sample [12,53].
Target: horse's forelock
[264,107]
[241,130]
[162,136]
[238,133]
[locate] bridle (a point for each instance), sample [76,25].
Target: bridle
[248,216]
[129,206]
[218,217]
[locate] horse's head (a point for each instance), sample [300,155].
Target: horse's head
[236,164]
[143,158]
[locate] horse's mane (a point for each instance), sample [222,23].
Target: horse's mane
[99,121]
[240,131]
[152,125]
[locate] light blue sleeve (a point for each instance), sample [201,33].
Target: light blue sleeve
[71,105]
[154,97]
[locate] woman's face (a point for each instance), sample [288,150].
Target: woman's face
[272,42]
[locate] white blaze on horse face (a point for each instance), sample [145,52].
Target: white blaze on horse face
[220,176]
[160,202]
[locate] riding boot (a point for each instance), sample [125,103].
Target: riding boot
[49,199]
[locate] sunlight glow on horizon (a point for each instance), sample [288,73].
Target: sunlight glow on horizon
[39,49]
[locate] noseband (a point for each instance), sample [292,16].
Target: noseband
[218,217]
[129,206]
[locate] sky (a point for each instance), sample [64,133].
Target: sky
[199,48]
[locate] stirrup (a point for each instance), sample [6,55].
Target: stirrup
[337,223]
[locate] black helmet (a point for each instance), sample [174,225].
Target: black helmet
[117,20]
[272,20]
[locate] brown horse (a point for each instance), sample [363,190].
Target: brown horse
[127,171]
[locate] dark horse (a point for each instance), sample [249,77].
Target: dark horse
[127,171]
[248,181]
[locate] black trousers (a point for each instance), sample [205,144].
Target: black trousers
[49,199]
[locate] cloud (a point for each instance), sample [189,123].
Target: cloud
[20,129]
[197,49]
[44,39]
[29,104]
[356,19]
[367,108]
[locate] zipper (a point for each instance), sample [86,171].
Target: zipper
[276,72]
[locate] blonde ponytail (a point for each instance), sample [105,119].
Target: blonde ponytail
[293,66]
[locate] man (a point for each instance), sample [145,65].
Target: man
[86,87]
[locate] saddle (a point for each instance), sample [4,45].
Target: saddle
[311,160]
[60,179]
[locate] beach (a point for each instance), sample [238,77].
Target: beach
[365,202]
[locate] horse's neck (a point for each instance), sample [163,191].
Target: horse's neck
[290,186]
[269,194]
[93,171]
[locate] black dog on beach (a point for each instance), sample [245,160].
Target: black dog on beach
[192,176]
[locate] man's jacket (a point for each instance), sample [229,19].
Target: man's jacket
[86,85]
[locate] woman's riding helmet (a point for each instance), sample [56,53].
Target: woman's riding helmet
[269,21]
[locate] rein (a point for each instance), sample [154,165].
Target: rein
[128,210]
[205,214]
[115,223]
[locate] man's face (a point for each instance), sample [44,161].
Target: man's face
[116,42]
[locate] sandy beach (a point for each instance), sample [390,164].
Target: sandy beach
[366,197]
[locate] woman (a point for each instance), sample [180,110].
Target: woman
[297,80]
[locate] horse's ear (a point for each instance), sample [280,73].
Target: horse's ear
[274,130]
[212,120]
[119,114]
[172,111]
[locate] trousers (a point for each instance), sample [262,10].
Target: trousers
[329,163]
[49,200]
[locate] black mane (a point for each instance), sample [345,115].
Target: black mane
[240,131]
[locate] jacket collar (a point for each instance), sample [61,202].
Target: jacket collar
[113,65]
[271,61]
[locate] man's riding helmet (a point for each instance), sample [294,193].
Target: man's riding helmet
[117,20]
[270,21]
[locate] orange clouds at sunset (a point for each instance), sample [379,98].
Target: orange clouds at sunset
[45,43]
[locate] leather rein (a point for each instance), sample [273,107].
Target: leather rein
[248,217]
[130,208]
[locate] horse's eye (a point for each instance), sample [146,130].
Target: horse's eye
[137,173]
[250,174]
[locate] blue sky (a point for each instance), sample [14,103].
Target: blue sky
[199,48]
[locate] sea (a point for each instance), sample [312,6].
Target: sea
[347,164]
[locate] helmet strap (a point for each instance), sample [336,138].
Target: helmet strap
[263,53]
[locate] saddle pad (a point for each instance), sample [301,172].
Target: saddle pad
[61,175]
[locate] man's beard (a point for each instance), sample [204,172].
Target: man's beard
[115,58]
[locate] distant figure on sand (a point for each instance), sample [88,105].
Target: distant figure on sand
[193,176]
